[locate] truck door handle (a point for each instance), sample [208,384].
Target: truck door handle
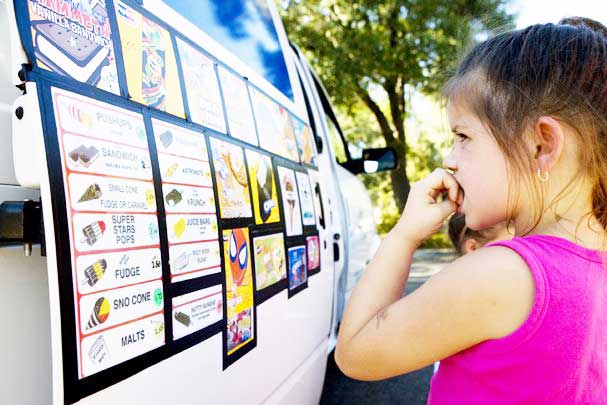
[336,237]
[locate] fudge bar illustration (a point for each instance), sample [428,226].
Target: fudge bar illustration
[93,232]
[94,272]
[92,192]
[101,311]
[67,53]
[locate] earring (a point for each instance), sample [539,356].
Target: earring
[542,178]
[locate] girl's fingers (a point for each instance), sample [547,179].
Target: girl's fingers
[440,180]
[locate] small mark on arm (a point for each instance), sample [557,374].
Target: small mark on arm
[383,314]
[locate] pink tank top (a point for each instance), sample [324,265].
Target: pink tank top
[558,355]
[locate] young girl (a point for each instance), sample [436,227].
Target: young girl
[466,240]
[519,321]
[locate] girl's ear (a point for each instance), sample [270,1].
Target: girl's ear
[548,141]
[469,245]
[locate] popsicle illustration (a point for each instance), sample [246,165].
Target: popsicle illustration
[91,193]
[179,227]
[93,232]
[94,272]
[101,311]
[80,115]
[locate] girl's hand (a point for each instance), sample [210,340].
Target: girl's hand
[424,213]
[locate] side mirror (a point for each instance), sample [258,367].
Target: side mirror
[373,160]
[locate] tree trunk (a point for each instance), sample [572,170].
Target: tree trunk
[399,178]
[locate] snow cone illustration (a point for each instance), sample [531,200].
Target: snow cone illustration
[239,255]
[101,311]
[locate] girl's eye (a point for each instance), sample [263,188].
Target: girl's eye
[461,137]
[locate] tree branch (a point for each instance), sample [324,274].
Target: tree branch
[395,97]
[384,125]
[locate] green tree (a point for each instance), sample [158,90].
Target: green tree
[364,48]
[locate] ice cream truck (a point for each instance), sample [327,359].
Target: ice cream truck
[174,226]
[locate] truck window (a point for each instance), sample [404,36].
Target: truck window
[246,29]
[336,142]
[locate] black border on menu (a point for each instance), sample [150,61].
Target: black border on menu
[74,388]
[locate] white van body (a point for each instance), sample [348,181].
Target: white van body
[294,336]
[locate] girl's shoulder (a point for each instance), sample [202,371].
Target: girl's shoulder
[504,279]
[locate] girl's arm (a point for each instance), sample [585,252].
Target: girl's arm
[483,295]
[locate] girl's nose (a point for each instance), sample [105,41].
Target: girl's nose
[449,162]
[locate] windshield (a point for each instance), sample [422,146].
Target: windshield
[245,27]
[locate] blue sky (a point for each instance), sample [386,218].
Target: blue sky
[544,11]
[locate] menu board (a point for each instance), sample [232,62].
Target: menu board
[305,197]
[270,260]
[201,87]
[305,141]
[239,290]
[313,251]
[231,179]
[238,107]
[73,38]
[189,202]
[274,126]
[290,201]
[149,61]
[298,271]
[167,230]
[263,187]
[113,231]
[197,310]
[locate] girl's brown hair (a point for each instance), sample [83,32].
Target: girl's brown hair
[558,70]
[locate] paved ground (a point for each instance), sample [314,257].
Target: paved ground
[410,389]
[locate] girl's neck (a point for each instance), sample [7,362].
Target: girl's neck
[578,227]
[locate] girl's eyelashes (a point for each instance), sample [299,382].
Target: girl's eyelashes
[461,137]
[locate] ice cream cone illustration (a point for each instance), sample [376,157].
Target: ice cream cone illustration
[94,272]
[93,232]
[92,192]
[290,196]
[101,311]
[265,189]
